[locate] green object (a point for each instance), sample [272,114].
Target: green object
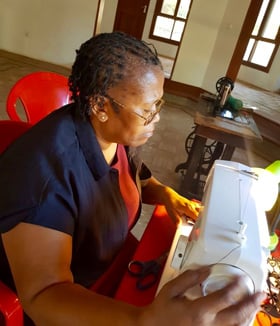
[274,168]
[234,103]
[273,241]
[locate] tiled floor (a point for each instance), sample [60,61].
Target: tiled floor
[164,151]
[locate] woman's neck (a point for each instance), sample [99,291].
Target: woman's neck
[110,152]
[108,148]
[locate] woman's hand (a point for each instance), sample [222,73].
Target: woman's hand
[224,307]
[178,206]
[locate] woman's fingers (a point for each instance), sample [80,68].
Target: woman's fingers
[179,285]
[232,305]
[229,306]
[243,312]
[227,296]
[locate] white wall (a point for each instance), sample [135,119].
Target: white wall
[198,42]
[209,41]
[47,30]
[51,30]
[269,81]
[227,36]
[109,14]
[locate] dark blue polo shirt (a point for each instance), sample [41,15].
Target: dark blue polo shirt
[56,176]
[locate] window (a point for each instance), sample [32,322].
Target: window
[264,40]
[169,20]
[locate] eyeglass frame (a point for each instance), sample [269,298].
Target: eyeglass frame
[151,114]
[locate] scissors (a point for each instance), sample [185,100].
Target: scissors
[146,271]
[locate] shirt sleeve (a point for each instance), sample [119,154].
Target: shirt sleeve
[137,164]
[145,172]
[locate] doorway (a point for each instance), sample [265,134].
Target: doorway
[131,16]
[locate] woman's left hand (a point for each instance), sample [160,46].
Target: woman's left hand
[178,206]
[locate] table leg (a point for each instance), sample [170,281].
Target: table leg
[194,159]
[228,152]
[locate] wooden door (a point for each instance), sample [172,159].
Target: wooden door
[131,16]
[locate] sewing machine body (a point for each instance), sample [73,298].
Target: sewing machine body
[231,233]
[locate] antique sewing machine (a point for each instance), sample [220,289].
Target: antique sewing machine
[224,104]
[231,233]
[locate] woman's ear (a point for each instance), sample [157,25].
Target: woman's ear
[102,116]
[98,109]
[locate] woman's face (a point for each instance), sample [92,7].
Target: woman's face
[134,97]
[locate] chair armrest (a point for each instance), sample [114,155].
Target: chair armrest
[10,307]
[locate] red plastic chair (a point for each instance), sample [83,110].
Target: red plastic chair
[11,313]
[37,94]
[10,131]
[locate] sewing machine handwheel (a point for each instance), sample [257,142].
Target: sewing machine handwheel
[224,81]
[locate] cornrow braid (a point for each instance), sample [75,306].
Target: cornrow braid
[102,62]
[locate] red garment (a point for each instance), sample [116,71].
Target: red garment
[108,283]
[128,188]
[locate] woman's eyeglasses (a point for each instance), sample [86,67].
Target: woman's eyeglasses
[151,114]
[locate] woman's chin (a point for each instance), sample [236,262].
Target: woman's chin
[139,142]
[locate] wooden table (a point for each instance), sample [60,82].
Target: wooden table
[228,133]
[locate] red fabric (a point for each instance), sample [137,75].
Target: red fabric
[108,283]
[157,238]
[128,188]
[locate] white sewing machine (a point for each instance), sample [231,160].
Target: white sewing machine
[231,233]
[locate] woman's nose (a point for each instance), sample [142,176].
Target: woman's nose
[156,118]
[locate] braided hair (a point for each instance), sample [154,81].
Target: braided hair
[102,62]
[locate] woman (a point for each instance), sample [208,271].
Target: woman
[73,189]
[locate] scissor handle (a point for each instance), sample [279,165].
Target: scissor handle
[146,271]
[136,268]
[147,280]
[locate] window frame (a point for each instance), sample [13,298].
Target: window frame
[258,38]
[157,13]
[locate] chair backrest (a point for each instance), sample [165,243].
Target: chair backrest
[36,95]
[10,131]
[11,313]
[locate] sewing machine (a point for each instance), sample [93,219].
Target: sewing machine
[224,104]
[231,233]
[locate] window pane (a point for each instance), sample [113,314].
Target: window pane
[263,53]
[183,9]
[272,24]
[168,7]
[249,49]
[163,27]
[260,17]
[177,31]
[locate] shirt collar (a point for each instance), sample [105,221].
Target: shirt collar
[90,147]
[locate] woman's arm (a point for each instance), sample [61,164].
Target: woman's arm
[40,261]
[154,192]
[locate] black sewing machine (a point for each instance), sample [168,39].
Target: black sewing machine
[225,105]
